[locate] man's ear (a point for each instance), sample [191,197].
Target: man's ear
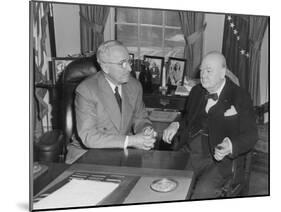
[104,67]
[223,72]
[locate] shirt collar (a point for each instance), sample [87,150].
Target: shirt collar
[112,86]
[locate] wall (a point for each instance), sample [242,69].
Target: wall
[67,21]
[67,29]
[213,35]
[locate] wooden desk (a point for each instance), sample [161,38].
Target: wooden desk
[135,165]
[164,101]
[136,158]
[54,170]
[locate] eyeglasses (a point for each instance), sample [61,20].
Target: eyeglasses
[122,63]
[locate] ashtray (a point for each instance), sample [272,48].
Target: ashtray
[164,185]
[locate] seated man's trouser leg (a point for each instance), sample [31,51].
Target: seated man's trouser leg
[208,179]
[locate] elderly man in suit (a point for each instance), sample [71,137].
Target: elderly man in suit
[217,128]
[109,109]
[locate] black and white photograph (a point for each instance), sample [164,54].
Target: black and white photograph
[176,70]
[132,56]
[97,138]
[154,64]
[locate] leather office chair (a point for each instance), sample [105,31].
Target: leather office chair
[52,145]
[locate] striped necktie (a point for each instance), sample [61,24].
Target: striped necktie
[118,98]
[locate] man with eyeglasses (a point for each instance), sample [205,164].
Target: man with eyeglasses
[109,109]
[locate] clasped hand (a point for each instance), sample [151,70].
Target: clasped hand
[144,140]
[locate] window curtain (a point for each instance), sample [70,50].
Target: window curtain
[257,26]
[192,25]
[92,22]
[236,47]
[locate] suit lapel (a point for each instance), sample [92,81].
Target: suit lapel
[197,106]
[109,101]
[127,109]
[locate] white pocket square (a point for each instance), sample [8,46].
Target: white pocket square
[231,111]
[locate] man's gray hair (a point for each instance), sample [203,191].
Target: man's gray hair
[104,49]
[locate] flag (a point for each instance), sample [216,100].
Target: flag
[40,34]
[236,47]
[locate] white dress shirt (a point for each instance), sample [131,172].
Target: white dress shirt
[113,86]
[211,102]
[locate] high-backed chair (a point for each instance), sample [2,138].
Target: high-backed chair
[52,145]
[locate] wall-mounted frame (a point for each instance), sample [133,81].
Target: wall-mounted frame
[155,67]
[58,66]
[176,71]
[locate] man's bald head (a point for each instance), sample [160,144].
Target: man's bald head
[213,68]
[215,57]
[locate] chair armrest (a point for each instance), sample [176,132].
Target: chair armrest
[49,147]
[238,185]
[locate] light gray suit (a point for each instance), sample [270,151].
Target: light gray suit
[99,122]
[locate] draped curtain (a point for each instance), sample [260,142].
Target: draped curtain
[236,47]
[92,22]
[192,25]
[258,26]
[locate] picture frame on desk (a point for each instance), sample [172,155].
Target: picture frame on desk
[155,66]
[134,72]
[176,71]
[131,57]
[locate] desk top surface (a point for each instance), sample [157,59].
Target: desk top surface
[135,164]
[136,158]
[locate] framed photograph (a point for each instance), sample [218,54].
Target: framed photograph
[131,57]
[58,66]
[175,71]
[155,67]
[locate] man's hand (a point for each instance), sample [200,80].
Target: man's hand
[170,132]
[141,141]
[223,149]
[149,131]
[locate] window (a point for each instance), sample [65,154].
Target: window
[150,32]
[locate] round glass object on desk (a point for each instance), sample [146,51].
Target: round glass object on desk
[164,185]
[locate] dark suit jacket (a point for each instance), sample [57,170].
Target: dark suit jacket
[98,119]
[240,128]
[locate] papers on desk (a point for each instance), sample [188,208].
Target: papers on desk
[186,88]
[77,193]
[182,91]
[163,116]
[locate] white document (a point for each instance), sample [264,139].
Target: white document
[164,116]
[77,193]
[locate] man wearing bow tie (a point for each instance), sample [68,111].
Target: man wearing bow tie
[217,128]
